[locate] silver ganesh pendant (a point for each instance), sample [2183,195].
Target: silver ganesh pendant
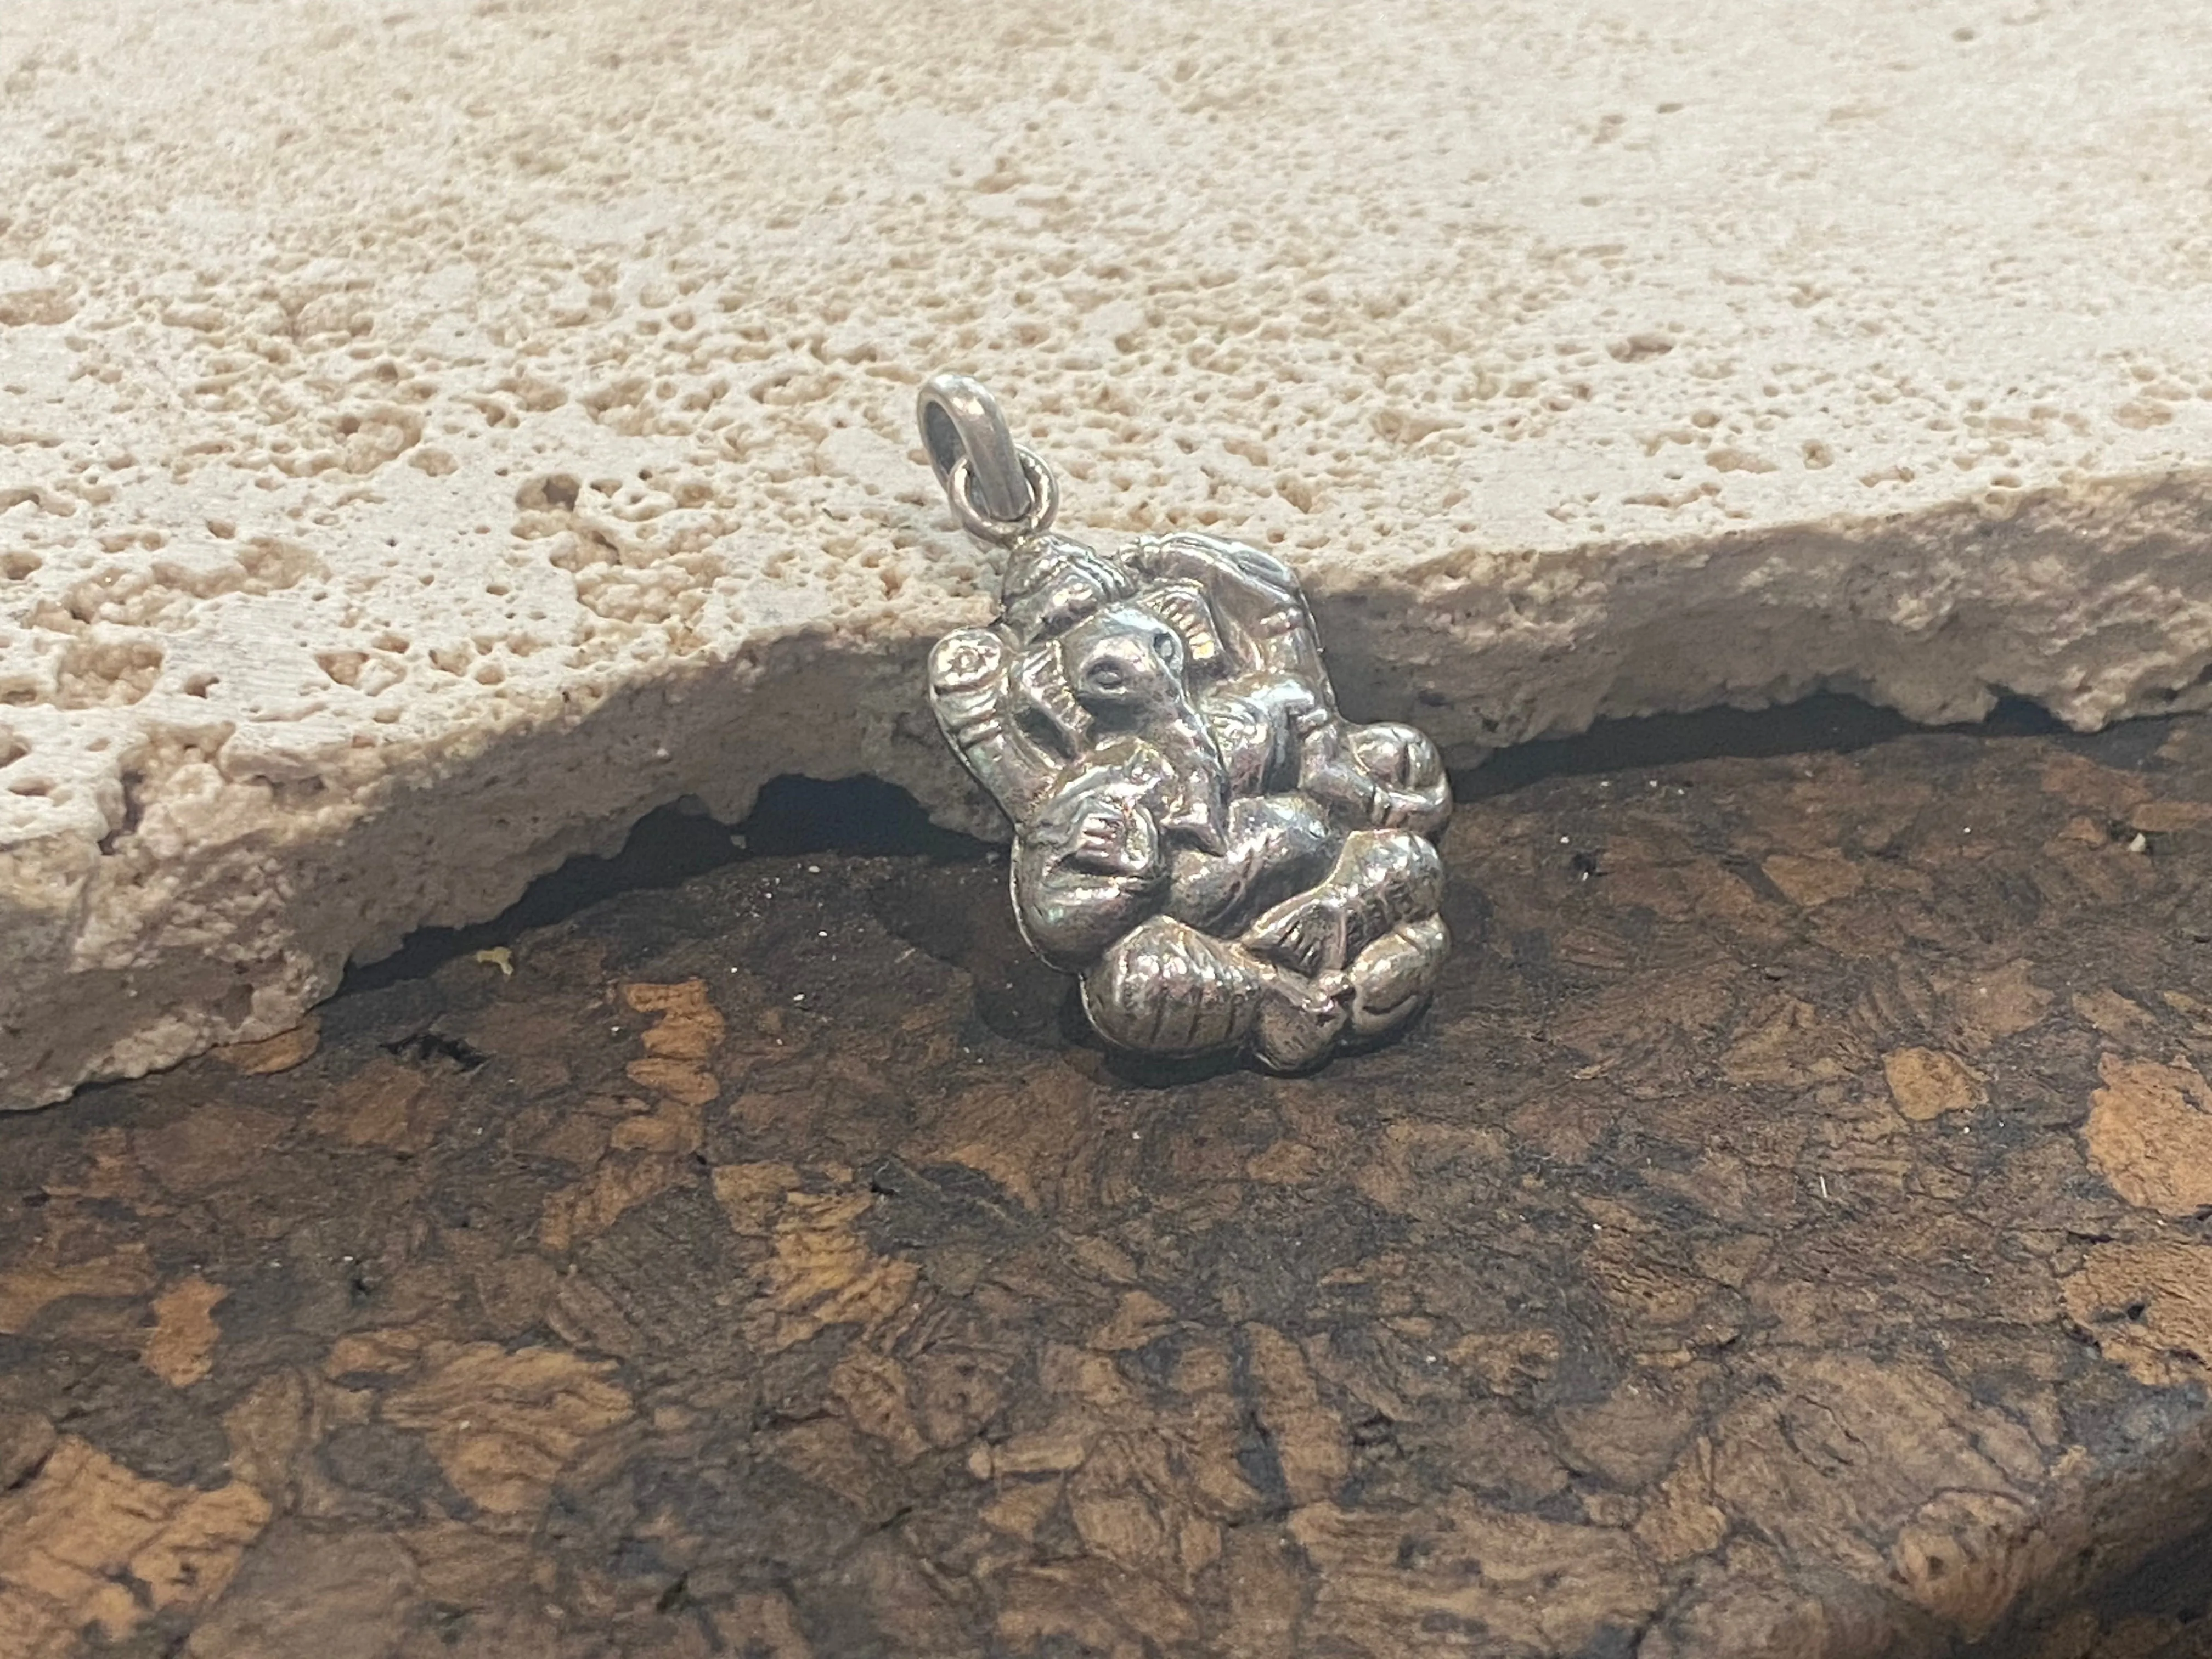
[1227,864]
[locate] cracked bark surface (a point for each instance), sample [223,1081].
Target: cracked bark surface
[1784,1236]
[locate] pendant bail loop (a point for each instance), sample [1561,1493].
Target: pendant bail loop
[999,491]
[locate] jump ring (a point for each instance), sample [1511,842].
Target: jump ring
[1044,502]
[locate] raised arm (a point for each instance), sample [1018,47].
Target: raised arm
[969,673]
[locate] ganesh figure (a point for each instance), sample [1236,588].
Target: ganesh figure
[1226,863]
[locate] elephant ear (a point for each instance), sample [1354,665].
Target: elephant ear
[1183,606]
[1187,554]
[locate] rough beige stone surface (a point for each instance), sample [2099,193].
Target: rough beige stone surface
[432,435]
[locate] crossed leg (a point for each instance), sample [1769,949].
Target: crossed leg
[1357,954]
[1166,988]
[1381,879]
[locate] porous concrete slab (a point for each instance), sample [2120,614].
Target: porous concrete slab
[433,436]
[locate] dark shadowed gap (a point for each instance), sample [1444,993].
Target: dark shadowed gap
[861,818]
[1828,724]
[867,817]
[2169,1589]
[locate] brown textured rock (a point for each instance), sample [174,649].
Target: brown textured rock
[1718,1272]
[1926,1082]
[280,1053]
[503,1425]
[1460,1572]
[28,1290]
[2150,1134]
[342,1596]
[87,1546]
[179,1350]
[388,1104]
[2149,1307]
